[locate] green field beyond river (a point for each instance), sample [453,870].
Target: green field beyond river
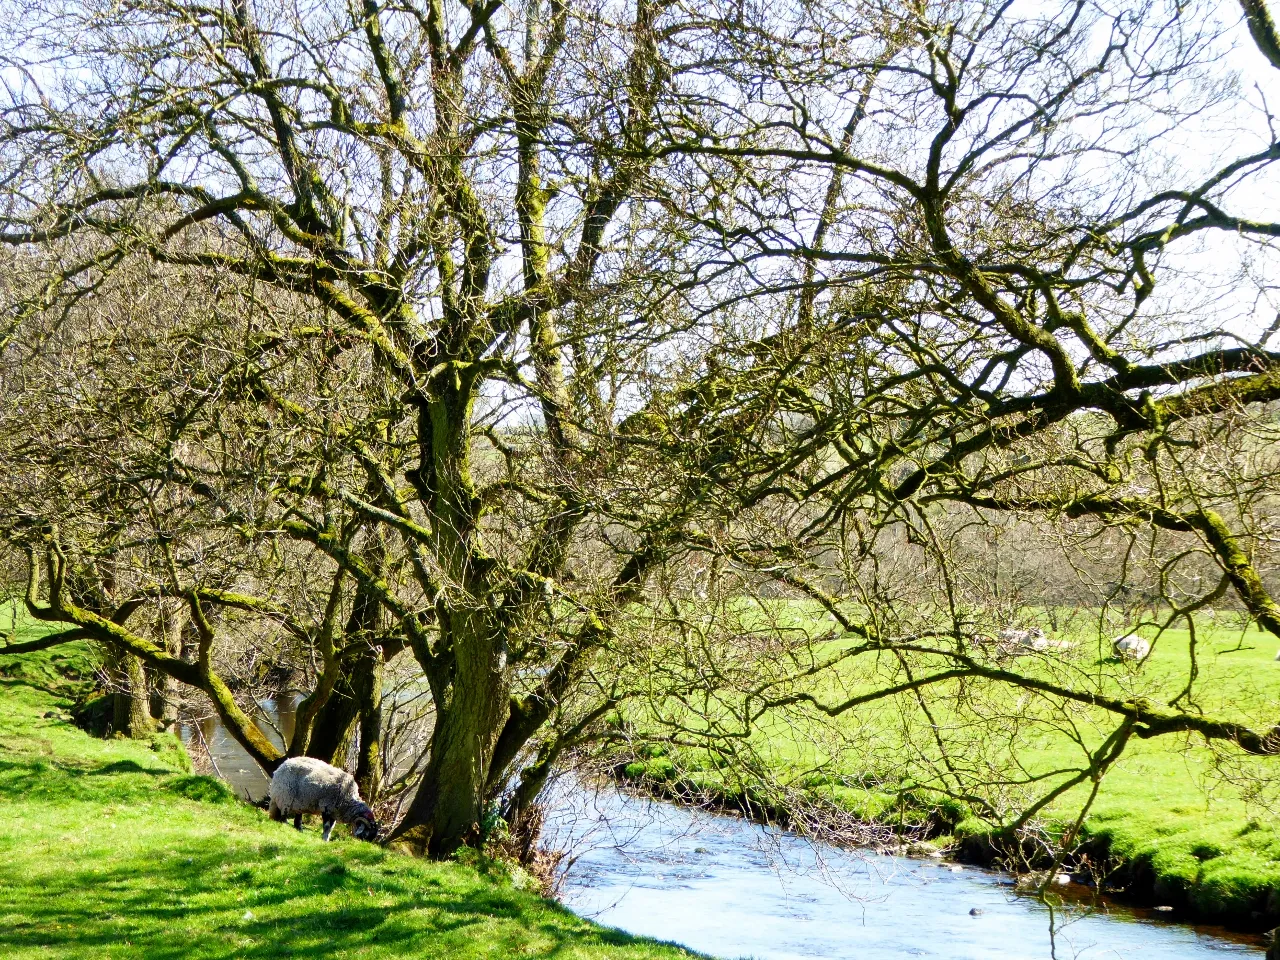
[1195,828]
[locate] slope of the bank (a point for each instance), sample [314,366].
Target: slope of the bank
[110,849]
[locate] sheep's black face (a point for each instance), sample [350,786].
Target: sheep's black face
[364,828]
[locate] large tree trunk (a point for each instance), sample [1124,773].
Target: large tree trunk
[447,811]
[468,676]
[354,705]
[173,621]
[359,676]
[130,702]
[335,724]
[170,698]
[368,689]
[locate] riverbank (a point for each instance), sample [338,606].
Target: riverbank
[1176,824]
[113,849]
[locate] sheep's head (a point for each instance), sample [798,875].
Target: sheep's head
[362,822]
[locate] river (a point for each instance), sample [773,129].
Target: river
[733,889]
[729,887]
[208,737]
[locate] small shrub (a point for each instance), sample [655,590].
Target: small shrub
[92,714]
[951,812]
[1206,851]
[170,749]
[493,828]
[660,768]
[1234,893]
[971,827]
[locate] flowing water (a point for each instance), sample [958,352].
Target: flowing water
[733,889]
[729,887]
[207,737]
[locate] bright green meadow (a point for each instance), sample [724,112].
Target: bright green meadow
[113,849]
[1192,825]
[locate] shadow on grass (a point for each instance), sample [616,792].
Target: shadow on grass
[128,766]
[305,903]
[50,779]
[46,679]
[201,788]
[225,889]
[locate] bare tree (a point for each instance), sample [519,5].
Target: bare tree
[531,317]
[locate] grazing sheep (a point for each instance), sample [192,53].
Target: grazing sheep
[303,785]
[1015,642]
[1130,647]
[1011,642]
[1034,640]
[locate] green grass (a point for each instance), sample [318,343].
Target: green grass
[1195,825]
[112,849]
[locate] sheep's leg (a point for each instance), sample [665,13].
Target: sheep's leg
[297,822]
[328,827]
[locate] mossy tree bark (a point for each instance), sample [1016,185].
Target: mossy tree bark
[130,698]
[354,692]
[368,691]
[173,620]
[334,728]
[449,806]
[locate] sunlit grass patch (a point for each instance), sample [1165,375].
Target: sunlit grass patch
[113,849]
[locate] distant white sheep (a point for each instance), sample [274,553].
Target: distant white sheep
[1023,639]
[303,785]
[1130,647]
[1035,640]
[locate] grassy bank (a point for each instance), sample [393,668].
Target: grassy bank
[1176,822]
[113,849]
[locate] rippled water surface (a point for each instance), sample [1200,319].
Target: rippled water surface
[208,737]
[732,889]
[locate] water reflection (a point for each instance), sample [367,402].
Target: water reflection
[207,736]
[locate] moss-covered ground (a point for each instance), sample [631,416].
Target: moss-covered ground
[113,849]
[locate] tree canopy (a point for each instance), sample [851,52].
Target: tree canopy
[520,338]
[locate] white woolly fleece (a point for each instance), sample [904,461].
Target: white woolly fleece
[303,785]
